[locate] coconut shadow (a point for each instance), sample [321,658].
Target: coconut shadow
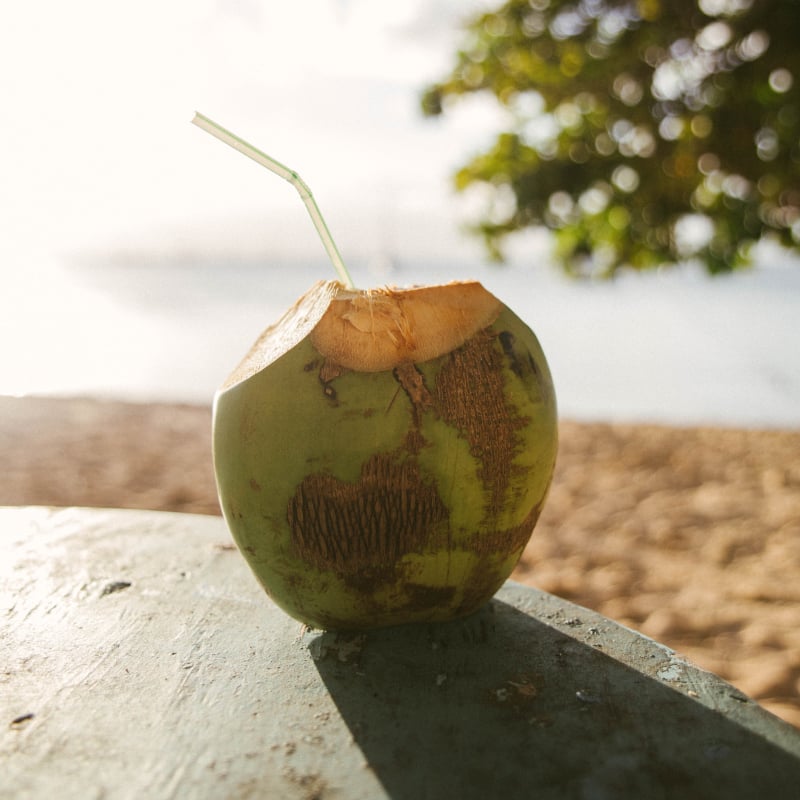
[535,697]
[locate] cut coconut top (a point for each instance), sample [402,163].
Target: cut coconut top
[287,332]
[375,329]
[378,329]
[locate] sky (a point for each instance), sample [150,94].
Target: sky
[98,153]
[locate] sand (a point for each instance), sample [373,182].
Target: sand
[690,535]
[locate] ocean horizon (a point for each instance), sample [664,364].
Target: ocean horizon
[675,347]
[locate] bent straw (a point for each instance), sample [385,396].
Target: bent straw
[290,175]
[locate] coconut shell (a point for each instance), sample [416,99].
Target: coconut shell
[382,457]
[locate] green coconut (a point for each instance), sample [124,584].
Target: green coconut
[382,456]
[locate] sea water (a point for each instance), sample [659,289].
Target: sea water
[675,347]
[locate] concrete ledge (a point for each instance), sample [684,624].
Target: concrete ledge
[141,659]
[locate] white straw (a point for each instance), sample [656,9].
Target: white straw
[287,174]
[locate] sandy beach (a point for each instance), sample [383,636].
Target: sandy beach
[690,535]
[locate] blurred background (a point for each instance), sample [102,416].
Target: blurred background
[141,257]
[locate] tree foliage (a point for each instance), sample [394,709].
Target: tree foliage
[641,132]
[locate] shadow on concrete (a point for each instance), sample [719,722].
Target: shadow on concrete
[508,705]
